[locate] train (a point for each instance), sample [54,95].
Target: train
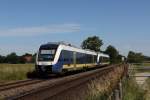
[58,57]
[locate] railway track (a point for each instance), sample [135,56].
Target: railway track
[10,89]
[17,84]
[44,89]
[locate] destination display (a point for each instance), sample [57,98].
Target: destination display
[47,51]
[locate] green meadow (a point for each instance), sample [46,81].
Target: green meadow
[11,72]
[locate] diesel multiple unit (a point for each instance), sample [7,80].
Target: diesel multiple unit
[59,57]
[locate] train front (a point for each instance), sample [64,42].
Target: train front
[45,58]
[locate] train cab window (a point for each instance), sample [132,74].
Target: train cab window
[47,52]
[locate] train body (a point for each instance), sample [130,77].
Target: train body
[59,57]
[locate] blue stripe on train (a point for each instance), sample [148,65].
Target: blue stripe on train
[57,68]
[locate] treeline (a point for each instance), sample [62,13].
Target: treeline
[134,57]
[13,58]
[95,43]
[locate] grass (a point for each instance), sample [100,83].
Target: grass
[142,64]
[147,87]
[10,72]
[146,64]
[142,71]
[131,91]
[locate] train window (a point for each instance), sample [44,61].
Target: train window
[89,58]
[80,58]
[95,58]
[71,57]
[66,57]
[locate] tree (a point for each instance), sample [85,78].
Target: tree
[113,53]
[92,43]
[12,58]
[146,58]
[131,57]
[134,57]
[2,58]
[34,57]
[15,59]
[26,58]
[120,58]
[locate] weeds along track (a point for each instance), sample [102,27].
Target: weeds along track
[54,87]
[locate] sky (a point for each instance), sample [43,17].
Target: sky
[26,24]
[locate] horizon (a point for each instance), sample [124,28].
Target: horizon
[27,24]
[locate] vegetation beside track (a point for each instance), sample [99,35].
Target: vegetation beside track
[131,91]
[101,89]
[10,72]
[147,87]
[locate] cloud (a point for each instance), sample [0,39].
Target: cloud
[39,30]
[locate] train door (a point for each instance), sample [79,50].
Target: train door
[98,59]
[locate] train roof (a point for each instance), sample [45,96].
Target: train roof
[61,43]
[66,44]
[70,45]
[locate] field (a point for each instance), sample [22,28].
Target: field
[142,64]
[146,64]
[11,72]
